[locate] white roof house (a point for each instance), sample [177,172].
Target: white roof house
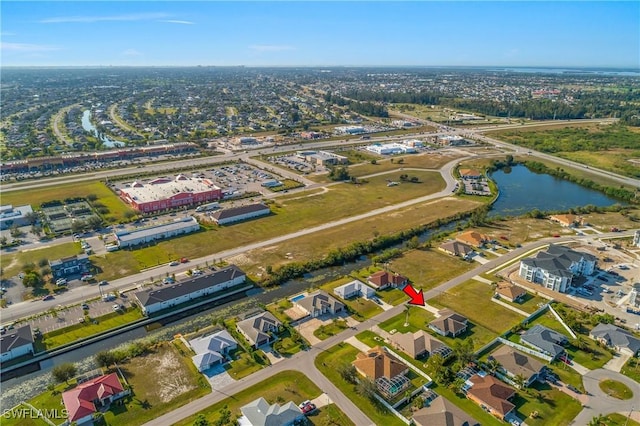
[354,288]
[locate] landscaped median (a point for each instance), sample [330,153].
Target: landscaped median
[280,388]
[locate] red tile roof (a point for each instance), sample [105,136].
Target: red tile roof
[79,401]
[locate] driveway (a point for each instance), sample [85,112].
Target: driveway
[218,377]
[617,362]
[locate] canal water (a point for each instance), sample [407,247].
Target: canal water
[88,126]
[520,192]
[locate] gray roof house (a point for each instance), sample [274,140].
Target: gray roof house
[449,323]
[354,288]
[319,303]
[555,268]
[16,342]
[259,329]
[260,413]
[544,339]
[211,350]
[616,337]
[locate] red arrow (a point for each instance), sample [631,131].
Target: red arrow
[417,298]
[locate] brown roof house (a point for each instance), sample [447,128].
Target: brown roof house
[384,369]
[449,323]
[567,220]
[489,392]
[441,412]
[514,363]
[383,279]
[510,292]
[456,248]
[419,344]
[474,238]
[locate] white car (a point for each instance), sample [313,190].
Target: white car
[87,277]
[61,281]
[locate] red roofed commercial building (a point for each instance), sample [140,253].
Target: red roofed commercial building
[166,193]
[84,400]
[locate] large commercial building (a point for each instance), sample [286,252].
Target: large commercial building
[391,149]
[555,268]
[166,193]
[322,158]
[157,232]
[154,300]
[14,216]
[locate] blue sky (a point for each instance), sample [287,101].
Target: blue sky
[181,33]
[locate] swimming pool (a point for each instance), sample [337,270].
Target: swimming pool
[298,297]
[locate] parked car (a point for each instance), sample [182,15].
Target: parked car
[308,409]
[61,281]
[87,277]
[117,307]
[48,297]
[85,306]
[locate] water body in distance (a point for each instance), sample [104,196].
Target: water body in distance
[521,191]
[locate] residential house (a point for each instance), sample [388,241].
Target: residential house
[511,292]
[514,363]
[449,323]
[387,372]
[236,214]
[419,344]
[16,342]
[456,248]
[545,340]
[62,268]
[157,299]
[489,392]
[211,350]
[86,398]
[617,338]
[260,413]
[383,279]
[566,220]
[555,268]
[354,288]
[319,303]
[474,238]
[441,412]
[259,329]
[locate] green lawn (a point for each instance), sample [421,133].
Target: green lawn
[632,369]
[289,342]
[615,419]
[243,364]
[616,389]
[325,331]
[530,303]
[280,388]
[429,268]
[553,407]
[161,381]
[360,307]
[48,400]
[278,308]
[419,319]
[466,299]
[328,363]
[12,264]
[392,296]
[75,332]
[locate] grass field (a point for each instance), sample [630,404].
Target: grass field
[419,319]
[616,389]
[329,361]
[75,332]
[420,161]
[48,400]
[553,407]
[632,369]
[468,296]
[37,196]
[429,268]
[13,263]
[325,331]
[615,419]
[280,388]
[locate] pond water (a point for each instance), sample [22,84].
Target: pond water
[88,126]
[522,190]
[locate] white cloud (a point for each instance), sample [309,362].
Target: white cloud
[270,47]
[176,21]
[26,47]
[132,52]
[90,19]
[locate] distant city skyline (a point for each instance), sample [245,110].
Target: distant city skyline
[210,33]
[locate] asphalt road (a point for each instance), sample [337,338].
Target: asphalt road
[80,294]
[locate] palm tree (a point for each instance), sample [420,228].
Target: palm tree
[407,308]
[492,366]
[597,420]
[520,381]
